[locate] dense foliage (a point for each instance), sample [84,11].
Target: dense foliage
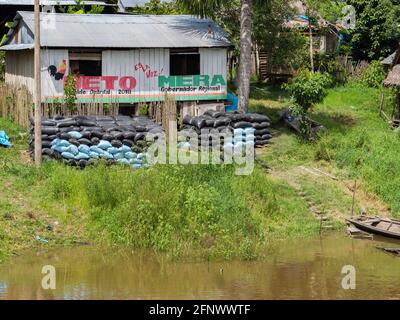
[373,75]
[283,47]
[79,8]
[70,92]
[377,30]
[308,88]
[158,7]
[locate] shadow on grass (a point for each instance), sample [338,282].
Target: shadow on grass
[335,122]
[269,100]
[266,92]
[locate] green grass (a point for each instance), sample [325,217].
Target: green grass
[206,211]
[24,211]
[358,144]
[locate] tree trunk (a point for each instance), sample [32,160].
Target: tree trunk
[311,42]
[245,55]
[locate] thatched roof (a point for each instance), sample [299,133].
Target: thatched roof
[393,78]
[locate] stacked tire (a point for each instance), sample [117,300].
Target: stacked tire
[81,140]
[229,122]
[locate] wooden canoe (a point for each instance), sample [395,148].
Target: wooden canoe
[382,226]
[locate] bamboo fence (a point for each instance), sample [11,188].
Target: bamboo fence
[16,104]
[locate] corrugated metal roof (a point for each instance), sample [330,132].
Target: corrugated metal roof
[127,31]
[50,3]
[13,47]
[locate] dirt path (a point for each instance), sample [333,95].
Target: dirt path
[328,195]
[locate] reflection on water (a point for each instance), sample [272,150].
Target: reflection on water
[302,269]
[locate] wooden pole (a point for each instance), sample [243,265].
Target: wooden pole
[311,42]
[354,198]
[38,109]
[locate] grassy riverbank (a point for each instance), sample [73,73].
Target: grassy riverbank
[358,145]
[206,211]
[201,211]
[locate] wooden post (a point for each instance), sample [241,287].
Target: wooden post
[382,102]
[311,44]
[38,109]
[354,198]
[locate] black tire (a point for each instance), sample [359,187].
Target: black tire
[222,122]
[72,162]
[85,141]
[92,129]
[64,136]
[46,144]
[113,128]
[261,132]
[128,142]
[82,163]
[48,152]
[116,143]
[49,130]
[86,134]
[74,142]
[256,117]
[140,129]
[129,135]
[48,123]
[95,141]
[107,137]
[266,137]
[97,134]
[139,136]
[242,124]
[117,135]
[86,123]
[67,123]
[198,122]
[52,137]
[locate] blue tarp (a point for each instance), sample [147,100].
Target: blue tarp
[233,102]
[4,140]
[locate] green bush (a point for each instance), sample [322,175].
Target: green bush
[331,65]
[191,210]
[308,88]
[167,208]
[70,92]
[373,75]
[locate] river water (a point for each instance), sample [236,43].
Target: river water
[301,269]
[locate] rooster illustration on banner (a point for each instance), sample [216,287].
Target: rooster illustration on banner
[58,73]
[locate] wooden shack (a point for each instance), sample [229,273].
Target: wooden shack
[125,59]
[393,81]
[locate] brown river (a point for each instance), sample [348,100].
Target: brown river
[301,269]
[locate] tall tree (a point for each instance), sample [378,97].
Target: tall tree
[283,47]
[157,7]
[210,8]
[245,55]
[377,31]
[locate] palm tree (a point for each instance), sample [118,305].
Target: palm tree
[207,8]
[245,55]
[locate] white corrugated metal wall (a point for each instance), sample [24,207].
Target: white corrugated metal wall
[19,69]
[145,65]
[52,88]
[213,61]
